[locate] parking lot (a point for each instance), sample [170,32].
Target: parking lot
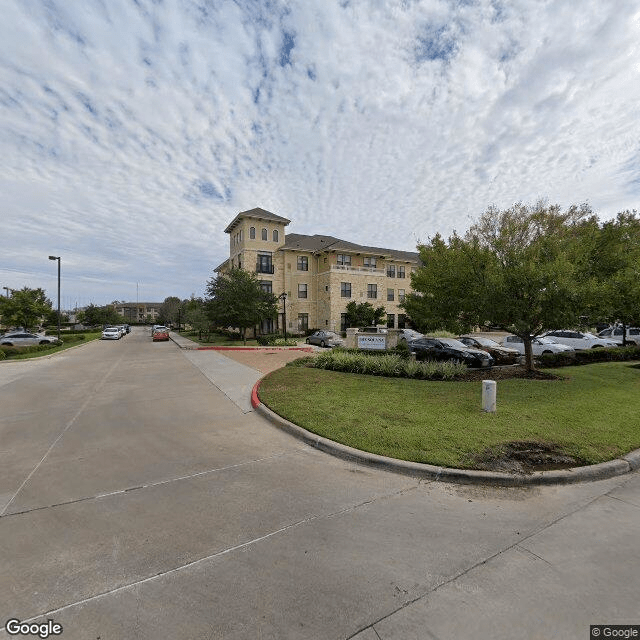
[138,500]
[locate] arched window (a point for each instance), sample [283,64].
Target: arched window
[275,235]
[252,233]
[265,235]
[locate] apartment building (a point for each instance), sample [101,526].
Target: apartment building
[138,311]
[319,274]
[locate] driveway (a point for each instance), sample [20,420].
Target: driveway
[140,498]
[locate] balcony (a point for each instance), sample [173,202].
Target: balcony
[347,268]
[264,268]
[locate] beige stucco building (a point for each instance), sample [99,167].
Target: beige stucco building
[319,274]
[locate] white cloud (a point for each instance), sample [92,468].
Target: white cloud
[132,133]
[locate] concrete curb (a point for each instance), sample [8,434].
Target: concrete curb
[620,466]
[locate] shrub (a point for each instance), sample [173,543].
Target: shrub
[389,365]
[615,354]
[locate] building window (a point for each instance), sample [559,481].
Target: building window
[344,260]
[264,264]
[372,291]
[343,322]
[303,322]
[275,235]
[266,285]
[391,271]
[400,295]
[303,263]
[401,321]
[252,233]
[370,261]
[302,291]
[345,289]
[390,296]
[400,272]
[391,319]
[265,235]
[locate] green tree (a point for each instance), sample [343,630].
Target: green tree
[26,307]
[611,266]
[364,314]
[516,269]
[194,314]
[168,313]
[95,316]
[236,299]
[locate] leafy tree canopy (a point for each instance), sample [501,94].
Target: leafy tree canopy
[168,313]
[25,308]
[236,299]
[516,269]
[364,314]
[95,316]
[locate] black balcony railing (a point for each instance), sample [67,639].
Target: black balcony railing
[262,267]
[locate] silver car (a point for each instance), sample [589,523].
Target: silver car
[24,339]
[325,339]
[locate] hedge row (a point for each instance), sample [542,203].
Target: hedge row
[573,358]
[7,352]
[274,340]
[70,332]
[393,366]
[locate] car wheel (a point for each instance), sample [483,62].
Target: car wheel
[323,344]
[597,346]
[44,341]
[7,344]
[544,352]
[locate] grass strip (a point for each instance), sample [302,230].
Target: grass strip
[592,413]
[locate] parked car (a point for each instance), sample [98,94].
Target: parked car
[325,339]
[111,333]
[160,334]
[449,349]
[407,335]
[632,334]
[538,345]
[579,339]
[500,353]
[24,339]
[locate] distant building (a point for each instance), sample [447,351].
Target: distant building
[320,274]
[138,311]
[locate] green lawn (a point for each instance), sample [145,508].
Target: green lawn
[593,413]
[68,341]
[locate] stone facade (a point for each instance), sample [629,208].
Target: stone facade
[319,274]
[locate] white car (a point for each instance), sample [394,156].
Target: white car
[615,334]
[579,339]
[538,345]
[111,333]
[24,339]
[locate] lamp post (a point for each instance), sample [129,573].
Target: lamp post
[58,259]
[283,297]
[7,289]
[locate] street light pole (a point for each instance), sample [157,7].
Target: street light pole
[7,289]
[58,259]
[283,297]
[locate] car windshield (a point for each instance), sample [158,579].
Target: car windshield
[451,342]
[487,342]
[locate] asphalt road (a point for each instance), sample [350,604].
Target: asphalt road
[140,498]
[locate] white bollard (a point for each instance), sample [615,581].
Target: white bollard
[489,395]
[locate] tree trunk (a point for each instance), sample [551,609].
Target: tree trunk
[624,334]
[528,353]
[244,336]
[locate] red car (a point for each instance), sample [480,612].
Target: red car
[161,333]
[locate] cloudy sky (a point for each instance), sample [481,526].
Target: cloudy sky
[133,131]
